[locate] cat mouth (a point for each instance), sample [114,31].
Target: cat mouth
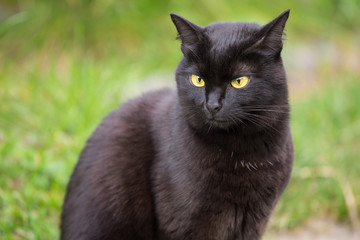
[213,120]
[218,123]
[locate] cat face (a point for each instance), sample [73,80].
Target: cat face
[232,74]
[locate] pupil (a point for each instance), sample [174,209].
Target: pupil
[199,79]
[238,80]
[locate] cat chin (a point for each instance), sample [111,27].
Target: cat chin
[220,125]
[210,125]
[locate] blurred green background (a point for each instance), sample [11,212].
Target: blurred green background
[65,64]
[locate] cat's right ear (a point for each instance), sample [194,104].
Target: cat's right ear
[271,35]
[191,35]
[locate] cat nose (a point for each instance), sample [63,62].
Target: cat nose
[213,107]
[213,103]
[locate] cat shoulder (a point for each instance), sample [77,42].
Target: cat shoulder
[135,113]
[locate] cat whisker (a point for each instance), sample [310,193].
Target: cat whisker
[264,110]
[247,165]
[268,105]
[209,128]
[263,123]
[269,108]
[252,166]
[236,121]
[265,117]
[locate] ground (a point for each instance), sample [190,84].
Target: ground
[317,229]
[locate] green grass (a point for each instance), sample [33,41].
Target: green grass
[102,28]
[45,119]
[326,132]
[65,64]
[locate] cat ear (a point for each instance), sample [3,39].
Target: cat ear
[271,34]
[190,34]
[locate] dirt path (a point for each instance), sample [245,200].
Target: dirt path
[317,229]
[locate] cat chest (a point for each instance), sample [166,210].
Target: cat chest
[212,203]
[227,205]
[217,213]
[239,187]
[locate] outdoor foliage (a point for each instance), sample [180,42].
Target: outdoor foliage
[64,65]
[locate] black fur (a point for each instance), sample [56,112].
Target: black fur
[164,167]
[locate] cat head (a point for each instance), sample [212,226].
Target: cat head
[232,75]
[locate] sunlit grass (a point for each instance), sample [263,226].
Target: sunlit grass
[326,131]
[46,116]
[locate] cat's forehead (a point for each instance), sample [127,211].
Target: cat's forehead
[230,33]
[226,40]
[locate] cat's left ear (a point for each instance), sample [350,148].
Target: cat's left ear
[191,35]
[271,34]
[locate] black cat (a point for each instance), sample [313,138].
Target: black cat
[208,161]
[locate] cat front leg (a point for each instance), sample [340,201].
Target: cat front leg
[253,222]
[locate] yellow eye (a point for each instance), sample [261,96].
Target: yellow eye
[197,81]
[239,82]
